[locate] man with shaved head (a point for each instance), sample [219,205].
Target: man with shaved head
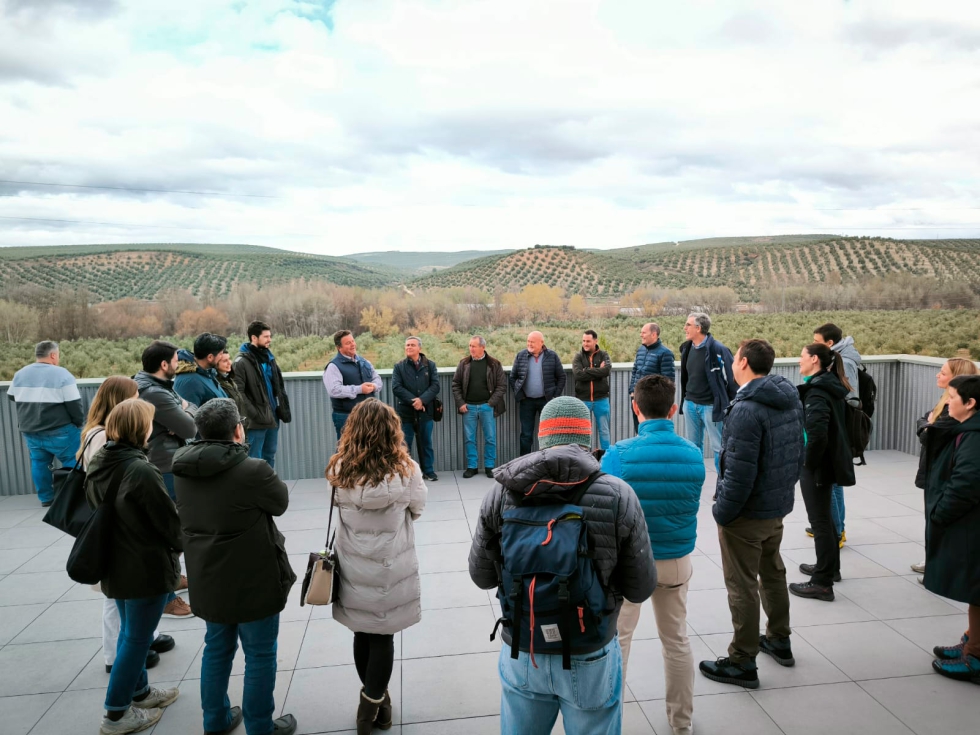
[536,378]
[652,358]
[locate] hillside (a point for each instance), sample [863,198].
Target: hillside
[113,272]
[422,263]
[748,265]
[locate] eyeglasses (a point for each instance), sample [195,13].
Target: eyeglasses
[244,422]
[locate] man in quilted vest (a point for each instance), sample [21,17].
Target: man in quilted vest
[666,471]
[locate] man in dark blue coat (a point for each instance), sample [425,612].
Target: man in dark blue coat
[415,383]
[536,377]
[652,358]
[762,456]
[197,379]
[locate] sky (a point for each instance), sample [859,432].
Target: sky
[344,126]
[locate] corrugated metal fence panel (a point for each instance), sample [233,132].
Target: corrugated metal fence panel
[906,390]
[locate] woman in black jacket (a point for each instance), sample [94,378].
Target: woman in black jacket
[144,568]
[953,528]
[828,462]
[938,417]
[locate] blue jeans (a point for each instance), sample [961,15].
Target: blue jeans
[339,419]
[482,414]
[168,482]
[589,695]
[138,620]
[600,409]
[697,423]
[259,639]
[423,439]
[837,508]
[46,446]
[263,444]
[528,409]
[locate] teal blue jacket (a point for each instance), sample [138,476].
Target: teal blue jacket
[666,472]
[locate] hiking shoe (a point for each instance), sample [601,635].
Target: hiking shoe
[809,531]
[728,672]
[812,591]
[430,476]
[489,472]
[236,720]
[809,569]
[178,608]
[951,653]
[919,568]
[182,585]
[163,643]
[469,472]
[779,649]
[134,720]
[158,698]
[152,659]
[962,669]
[285,725]
[842,540]
[47,503]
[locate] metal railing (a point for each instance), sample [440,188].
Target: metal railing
[906,390]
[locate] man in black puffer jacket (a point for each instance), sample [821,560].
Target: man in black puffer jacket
[622,560]
[761,460]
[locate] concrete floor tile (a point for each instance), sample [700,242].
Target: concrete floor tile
[17,617]
[646,670]
[12,559]
[20,714]
[51,559]
[14,517]
[733,714]
[489,725]
[443,510]
[443,557]
[314,519]
[926,633]
[811,666]
[842,709]
[29,538]
[450,686]
[450,590]
[707,611]
[929,704]
[65,621]
[73,713]
[889,598]
[451,632]
[866,650]
[20,502]
[442,532]
[912,527]
[40,668]
[325,699]
[17,589]
[897,558]
[329,643]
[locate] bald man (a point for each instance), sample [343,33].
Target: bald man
[536,378]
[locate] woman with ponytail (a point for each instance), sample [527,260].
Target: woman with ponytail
[828,462]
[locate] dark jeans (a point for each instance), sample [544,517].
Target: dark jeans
[374,658]
[168,482]
[259,640]
[138,619]
[339,419]
[263,444]
[423,440]
[818,499]
[751,562]
[529,408]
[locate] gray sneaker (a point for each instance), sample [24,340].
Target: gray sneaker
[134,720]
[158,698]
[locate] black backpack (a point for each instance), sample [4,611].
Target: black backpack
[858,425]
[867,391]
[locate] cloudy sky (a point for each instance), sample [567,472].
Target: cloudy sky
[345,126]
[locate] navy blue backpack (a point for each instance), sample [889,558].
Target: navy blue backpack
[549,591]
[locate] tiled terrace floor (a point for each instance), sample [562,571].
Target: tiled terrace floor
[862,661]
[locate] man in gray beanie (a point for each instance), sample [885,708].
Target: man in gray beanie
[561,482]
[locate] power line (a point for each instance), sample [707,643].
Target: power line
[137,189]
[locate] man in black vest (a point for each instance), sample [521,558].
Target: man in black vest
[415,384]
[349,379]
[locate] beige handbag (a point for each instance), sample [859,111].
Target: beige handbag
[322,579]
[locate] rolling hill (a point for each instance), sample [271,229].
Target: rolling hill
[422,263]
[113,272]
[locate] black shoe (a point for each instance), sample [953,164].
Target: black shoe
[812,591]
[779,650]
[808,531]
[489,472]
[236,720]
[430,476]
[809,569]
[152,659]
[285,725]
[163,643]
[47,504]
[727,672]
[469,472]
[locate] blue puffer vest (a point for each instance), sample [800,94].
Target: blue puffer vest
[354,372]
[666,472]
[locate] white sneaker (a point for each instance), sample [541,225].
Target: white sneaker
[158,698]
[134,720]
[919,568]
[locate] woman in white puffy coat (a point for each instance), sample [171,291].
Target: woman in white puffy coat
[380,493]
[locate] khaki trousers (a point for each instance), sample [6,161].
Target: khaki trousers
[670,609]
[752,565]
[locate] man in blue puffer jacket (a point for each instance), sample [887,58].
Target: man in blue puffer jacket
[761,460]
[666,472]
[652,358]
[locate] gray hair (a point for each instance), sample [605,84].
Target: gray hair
[480,339]
[409,339]
[701,320]
[216,419]
[45,349]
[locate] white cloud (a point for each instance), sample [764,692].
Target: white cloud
[425,124]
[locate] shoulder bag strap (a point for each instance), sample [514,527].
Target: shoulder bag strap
[109,500]
[80,460]
[333,496]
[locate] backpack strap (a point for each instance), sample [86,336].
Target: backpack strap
[583,488]
[564,623]
[517,599]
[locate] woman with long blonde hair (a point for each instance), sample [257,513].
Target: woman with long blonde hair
[379,493]
[938,417]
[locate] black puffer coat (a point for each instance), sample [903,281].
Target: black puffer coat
[623,559]
[761,452]
[923,428]
[146,542]
[953,512]
[828,450]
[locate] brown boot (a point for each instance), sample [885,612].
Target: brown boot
[383,720]
[367,712]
